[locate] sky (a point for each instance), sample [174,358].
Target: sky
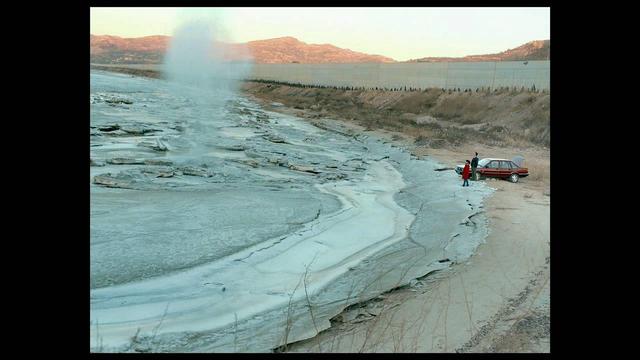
[399,33]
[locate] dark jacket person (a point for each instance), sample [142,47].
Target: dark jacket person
[474,165]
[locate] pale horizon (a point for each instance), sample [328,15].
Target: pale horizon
[423,32]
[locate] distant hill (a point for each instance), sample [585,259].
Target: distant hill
[533,50]
[289,49]
[106,49]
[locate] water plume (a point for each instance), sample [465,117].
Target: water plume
[206,72]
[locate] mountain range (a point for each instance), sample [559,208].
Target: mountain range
[108,49]
[533,50]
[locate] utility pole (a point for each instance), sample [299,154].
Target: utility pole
[446,76]
[495,64]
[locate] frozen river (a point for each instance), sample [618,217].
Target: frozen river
[217,226]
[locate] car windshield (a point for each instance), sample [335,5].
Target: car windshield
[483,162]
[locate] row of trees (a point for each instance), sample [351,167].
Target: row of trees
[405,88]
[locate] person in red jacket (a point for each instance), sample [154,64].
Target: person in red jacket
[466,173]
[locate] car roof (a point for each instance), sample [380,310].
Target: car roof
[491,159]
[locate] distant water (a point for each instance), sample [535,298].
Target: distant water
[462,75]
[419,75]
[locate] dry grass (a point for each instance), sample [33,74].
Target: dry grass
[379,327]
[539,170]
[516,118]
[99,342]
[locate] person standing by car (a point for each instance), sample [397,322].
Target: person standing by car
[474,165]
[465,174]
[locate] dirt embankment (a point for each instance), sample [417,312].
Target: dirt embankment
[497,302]
[506,117]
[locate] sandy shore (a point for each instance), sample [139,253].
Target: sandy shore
[498,301]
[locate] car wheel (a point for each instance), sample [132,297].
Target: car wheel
[514,178]
[478,176]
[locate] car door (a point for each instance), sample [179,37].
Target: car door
[505,169]
[492,169]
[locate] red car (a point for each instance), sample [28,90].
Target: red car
[498,168]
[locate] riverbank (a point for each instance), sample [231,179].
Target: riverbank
[498,301]
[432,117]
[218,226]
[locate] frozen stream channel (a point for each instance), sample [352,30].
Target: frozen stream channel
[217,226]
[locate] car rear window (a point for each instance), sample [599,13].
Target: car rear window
[505,164]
